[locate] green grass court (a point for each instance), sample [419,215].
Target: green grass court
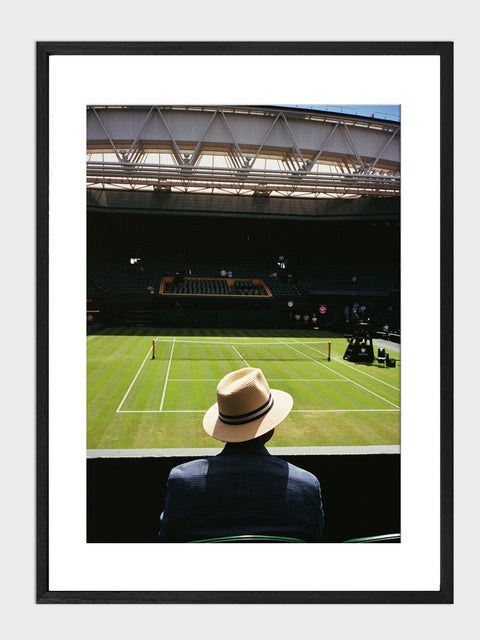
[136,402]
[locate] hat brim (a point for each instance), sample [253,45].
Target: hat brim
[282,405]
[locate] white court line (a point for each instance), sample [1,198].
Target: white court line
[292,411]
[241,357]
[133,381]
[166,377]
[340,374]
[341,361]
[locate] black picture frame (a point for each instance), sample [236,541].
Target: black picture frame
[444,51]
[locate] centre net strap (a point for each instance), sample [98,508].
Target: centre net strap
[164,349]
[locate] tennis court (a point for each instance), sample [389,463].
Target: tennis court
[150,391]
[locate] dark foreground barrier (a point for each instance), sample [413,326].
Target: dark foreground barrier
[361,495]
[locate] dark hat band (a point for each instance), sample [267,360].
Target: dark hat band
[244,418]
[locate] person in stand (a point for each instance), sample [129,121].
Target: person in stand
[355,314]
[243,490]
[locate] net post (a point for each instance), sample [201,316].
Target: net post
[153,349]
[329,350]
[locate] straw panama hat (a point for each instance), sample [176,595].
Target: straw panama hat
[246,407]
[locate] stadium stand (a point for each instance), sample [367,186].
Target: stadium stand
[113,276]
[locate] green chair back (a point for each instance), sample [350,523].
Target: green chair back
[250,538]
[388,537]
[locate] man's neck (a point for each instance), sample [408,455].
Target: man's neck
[249,446]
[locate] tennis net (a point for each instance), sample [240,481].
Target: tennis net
[168,349]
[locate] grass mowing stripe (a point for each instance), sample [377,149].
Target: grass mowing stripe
[105,376]
[107,384]
[340,374]
[133,381]
[103,354]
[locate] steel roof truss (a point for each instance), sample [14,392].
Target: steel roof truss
[136,144]
[119,157]
[301,163]
[193,158]
[262,144]
[176,151]
[354,148]
[311,163]
[239,153]
[383,149]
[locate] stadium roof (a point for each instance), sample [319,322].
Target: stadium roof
[243,151]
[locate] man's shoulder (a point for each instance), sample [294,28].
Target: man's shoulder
[297,473]
[189,468]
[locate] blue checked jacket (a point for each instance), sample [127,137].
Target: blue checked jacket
[242,490]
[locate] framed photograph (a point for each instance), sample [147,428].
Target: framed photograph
[277,206]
